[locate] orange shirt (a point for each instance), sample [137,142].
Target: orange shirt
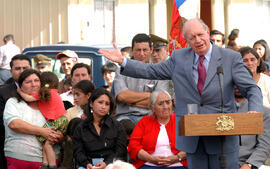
[52,109]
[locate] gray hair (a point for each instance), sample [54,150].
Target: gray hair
[120,165]
[198,19]
[153,96]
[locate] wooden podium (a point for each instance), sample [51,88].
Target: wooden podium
[221,124]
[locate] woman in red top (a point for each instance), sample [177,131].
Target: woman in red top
[152,143]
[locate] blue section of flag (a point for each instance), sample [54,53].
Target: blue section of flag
[179,2]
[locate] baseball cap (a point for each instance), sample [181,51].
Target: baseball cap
[67,53]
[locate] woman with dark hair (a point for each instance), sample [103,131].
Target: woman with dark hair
[81,93]
[257,66]
[99,139]
[234,35]
[23,122]
[262,49]
[52,107]
[108,73]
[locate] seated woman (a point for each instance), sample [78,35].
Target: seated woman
[257,66]
[152,143]
[23,122]
[81,93]
[263,50]
[99,139]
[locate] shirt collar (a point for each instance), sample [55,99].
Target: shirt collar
[9,43]
[207,55]
[69,92]
[17,85]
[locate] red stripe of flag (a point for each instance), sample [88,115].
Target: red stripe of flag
[176,40]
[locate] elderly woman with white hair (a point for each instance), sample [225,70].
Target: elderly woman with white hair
[118,164]
[152,142]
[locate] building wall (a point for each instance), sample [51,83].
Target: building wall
[131,17]
[34,22]
[158,20]
[251,17]
[41,22]
[102,22]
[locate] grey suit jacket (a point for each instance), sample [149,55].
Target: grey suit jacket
[178,68]
[255,149]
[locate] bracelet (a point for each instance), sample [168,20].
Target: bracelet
[179,158]
[250,166]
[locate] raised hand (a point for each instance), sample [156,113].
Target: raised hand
[113,55]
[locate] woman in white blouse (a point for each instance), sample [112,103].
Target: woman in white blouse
[257,66]
[23,122]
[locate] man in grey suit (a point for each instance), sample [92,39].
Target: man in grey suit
[202,88]
[254,149]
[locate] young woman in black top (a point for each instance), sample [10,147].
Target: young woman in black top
[99,139]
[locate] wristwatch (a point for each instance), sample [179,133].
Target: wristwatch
[179,158]
[250,166]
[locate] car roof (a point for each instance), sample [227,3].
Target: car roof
[53,50]
[80,49]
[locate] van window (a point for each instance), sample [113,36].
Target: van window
[56,65]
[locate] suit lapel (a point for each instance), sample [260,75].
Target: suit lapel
[215,61]
[188,65]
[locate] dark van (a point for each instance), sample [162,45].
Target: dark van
[87,54]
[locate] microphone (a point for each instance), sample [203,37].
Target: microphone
[220,77]
[222,157]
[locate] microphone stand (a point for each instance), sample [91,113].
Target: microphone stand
[222,157]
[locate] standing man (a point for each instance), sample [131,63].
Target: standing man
[160,53]
[132,94]
[68,59]
[193,71]
[161,50]
[18,64]
[6,53]
[217,38]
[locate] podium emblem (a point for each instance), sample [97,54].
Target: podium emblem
[224,123]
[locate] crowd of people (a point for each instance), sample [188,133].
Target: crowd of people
[132,121]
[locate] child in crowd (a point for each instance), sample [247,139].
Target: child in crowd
[68,84]
[68,150]
[128,125]
[52,107]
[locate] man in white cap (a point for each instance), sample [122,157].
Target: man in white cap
[68,59]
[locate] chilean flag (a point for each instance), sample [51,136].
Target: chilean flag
[176,40]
